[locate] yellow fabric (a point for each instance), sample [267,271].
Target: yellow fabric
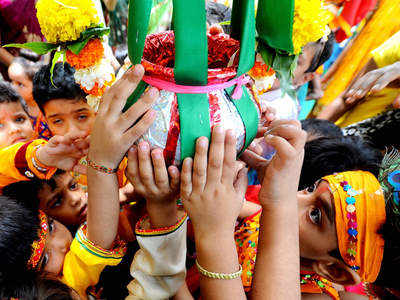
[359,214]
[389,52]
[9,172]
[384,23]
[386,54]
[85,261]
[373,105]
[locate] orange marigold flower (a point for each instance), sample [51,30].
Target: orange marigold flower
[99,91]
[91,54]
[260,69]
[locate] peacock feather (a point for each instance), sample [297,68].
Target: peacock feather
[389,178]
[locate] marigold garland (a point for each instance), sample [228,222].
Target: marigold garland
[90,55]
[309,23]
[98,90]
[64,20]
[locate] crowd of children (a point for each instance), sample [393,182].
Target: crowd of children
[89,210]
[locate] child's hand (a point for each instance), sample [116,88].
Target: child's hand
[149,175]
[282,174]
[113,133]
[212,192]
[63,152]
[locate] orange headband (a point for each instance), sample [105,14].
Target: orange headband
[38,245]
[360,213]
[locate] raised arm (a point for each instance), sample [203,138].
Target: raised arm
[112,136]
[212,190]
[277,267]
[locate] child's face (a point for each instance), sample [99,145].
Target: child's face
[317,229]
[15,125]
[300,76]
[65,202]
[57,245]
[69,116]
[21,82]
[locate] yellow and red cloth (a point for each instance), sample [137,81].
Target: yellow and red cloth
[40,243]
[17,163]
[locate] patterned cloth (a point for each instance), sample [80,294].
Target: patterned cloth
[379,131]
[40,127]
[17,163]
[246,238]
[85,261]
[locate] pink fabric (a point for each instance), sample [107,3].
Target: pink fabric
[188,89]
[358,289]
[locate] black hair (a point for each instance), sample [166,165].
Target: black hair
[325,156]
[48,288]
[30,67]
[44,287]
[62,87]
[217,13]
[321,128]
[18,230]
[9,95]
[323,51]
[26,192]
[121,53]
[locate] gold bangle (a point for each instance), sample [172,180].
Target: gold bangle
[218,275]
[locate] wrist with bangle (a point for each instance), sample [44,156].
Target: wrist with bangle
[214,275]
[36,162]
[100,168]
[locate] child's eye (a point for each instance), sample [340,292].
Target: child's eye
[315,215]
[57,121]
[51,225]
[311,189]
[82,117]
[20,119]
[57,202]
[73,186]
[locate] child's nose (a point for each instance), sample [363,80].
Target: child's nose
[14,128]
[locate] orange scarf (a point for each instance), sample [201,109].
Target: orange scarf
[360,213]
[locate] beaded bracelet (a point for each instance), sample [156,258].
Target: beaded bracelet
[219,275]
[100,168]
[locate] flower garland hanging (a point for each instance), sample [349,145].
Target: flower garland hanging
[73,31]
[263,75]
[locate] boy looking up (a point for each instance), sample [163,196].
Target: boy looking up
[62,103]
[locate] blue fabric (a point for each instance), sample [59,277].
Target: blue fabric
[305,105]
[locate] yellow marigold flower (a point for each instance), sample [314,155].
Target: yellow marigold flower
[64,20]
[309,23]
[91,54]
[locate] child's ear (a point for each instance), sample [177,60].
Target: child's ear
[336,271]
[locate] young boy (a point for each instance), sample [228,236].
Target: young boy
[60,197]
[21,72]
[15,125]
[62,101]
[24,158]
[95,246]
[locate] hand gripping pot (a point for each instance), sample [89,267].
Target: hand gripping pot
[199,85]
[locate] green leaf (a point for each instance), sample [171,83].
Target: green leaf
[53,64]
[37,47]
[97,31]
[284,65]
[77,47]
[267,53]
